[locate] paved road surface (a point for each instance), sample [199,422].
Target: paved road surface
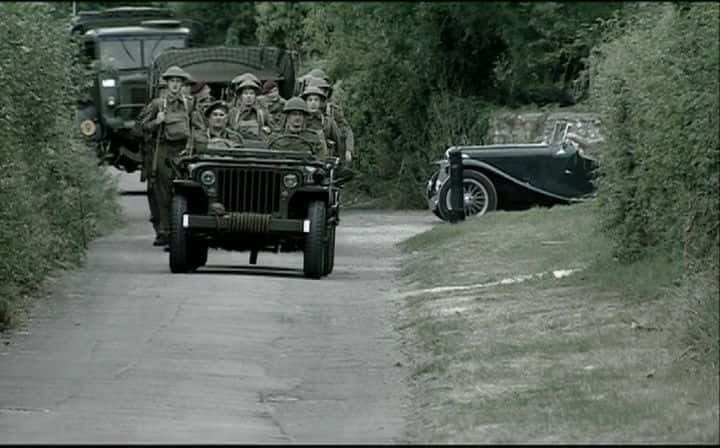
[123,351]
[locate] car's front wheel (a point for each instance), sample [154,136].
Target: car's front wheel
[314,253]
[479,195]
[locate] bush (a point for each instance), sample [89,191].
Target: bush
[55,197]
[656,86]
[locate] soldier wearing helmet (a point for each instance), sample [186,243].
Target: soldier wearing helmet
[146,145]
[168,122]
[346,145]
[247,116]
[318,120]
[295,136]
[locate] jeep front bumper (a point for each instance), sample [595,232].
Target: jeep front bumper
[245,223]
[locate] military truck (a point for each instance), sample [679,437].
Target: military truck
[117,47]
[254,199]
[217,66]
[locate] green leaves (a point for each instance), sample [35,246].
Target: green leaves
[54,196]
[656,85]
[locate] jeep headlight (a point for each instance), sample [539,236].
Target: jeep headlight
[290,180]
[208,178]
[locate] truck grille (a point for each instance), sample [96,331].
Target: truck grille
[253,191]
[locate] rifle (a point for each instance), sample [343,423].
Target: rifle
[153,174]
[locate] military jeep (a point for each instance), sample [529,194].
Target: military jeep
[254,199]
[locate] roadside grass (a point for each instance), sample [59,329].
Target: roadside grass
[598,356]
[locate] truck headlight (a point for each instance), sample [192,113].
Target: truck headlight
[207,178]
[290,180]
[87,128]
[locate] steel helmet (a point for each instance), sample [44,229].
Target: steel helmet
[244,77]
[175,72]
[295,103]
[318,82]
[313,90]
[318,73]
[248,83]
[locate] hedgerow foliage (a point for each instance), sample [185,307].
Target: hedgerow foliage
[657,86]
[54,197]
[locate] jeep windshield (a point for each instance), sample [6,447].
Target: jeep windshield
[135,52]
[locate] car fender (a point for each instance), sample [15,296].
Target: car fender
[482,166]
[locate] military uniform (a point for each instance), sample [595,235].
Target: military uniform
[170,138]
[334,113]
[303,140]
[147,150]
[319,122]
[251,120]
[275,111]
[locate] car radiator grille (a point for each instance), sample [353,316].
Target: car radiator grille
[252,191]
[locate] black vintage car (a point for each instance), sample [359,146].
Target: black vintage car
[253,199]
[515,176]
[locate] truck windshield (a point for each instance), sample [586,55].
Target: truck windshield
[156,45]
[120,53]
[126,53]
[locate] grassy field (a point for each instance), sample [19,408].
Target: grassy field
[520,328]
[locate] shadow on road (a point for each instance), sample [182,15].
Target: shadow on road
[268,271]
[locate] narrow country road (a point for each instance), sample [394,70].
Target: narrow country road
[123,351]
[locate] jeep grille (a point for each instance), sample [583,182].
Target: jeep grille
[253,191]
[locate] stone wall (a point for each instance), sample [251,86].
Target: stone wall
[534,127]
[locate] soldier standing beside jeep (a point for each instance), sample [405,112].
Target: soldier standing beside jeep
[169,118]
[147,150]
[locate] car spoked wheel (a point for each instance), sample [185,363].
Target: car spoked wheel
[474,197]
[479,195]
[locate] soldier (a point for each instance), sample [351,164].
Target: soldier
[274,104]
[295,137]
[334,111]
[217,118]
[235,83]
[169,119]
[318,120]
[146,149]
[202,98]
[248,117]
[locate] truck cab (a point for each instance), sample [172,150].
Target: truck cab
[117,49]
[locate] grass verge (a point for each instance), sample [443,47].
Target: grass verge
[598,356]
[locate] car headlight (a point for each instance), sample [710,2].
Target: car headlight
[290,180]
[111,101]
[207,178]
[88,128]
